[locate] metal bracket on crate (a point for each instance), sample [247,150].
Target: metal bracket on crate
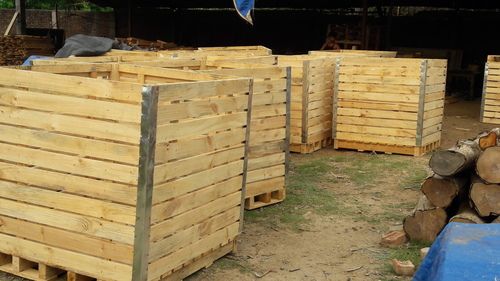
[335,98]
[421,102]
[483,98]
[149,111]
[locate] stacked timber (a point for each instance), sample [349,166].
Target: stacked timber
[14,49]
[465,187]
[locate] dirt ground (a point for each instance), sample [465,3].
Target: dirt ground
[339,203]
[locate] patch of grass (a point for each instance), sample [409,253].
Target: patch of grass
[304,193]
[227,264]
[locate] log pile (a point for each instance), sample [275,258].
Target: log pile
[15,49]
[465,188]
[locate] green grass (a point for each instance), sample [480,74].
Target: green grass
[304,194]
[409,252]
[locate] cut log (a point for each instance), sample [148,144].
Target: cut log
[485,198]
[467,215]
[456,159]
[426,221]
[488,165]
[489,139]
[442,191]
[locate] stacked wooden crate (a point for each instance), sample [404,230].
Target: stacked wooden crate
[364,53]
[490,105]
[128,173]
[389,105]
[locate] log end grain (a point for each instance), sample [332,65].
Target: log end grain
[488,165]
[447,162]
[440,191]
[486,199]
[425,225]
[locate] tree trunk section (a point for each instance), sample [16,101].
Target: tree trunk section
[456,159]
[426,221]
[466,215]
[485,198]
[442,191]
[489,139]
[488,165]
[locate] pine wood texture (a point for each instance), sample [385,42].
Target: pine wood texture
[490,106]
[70,158]
[389,105]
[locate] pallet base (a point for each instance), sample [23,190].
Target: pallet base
[201,263]
[36,271]
[387,148]
[265,199]
[305,148]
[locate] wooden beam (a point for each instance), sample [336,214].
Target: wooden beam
[21,18]
[9,27]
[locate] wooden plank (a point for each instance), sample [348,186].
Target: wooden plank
[381,80]
[190,201]
[188,129]
[377,122]
[67,202]
[69,164]
[263,150]
[267,185]
[170,262]
[258,137]
[376,88]
[75,86]
[376,139]
[192,234]
[84,264]
[123,132]
[99,189]
[68,221]
[194,109]
[194,216]
[63,239]
[376,130]
[492,108]
[266,161]
[268,98]
[267,123]
[406,107]
[380,97]
[196,164]
[262,111]
[381,71]
[369,113]
[202,89]
[69,144]
[265,173]
[433,113]
[190,147]
[369,61]
[169,190]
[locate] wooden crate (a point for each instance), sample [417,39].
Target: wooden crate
[270,124]
[490,104]
[364,53]
[120,172]
[311,101]
[389,105]
[256,50]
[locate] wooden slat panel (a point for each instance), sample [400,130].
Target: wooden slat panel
[69,164]
[268,110]
[267,123]
[376,88]
[200,126]
[69,183]
[66,259]
[67,202]
[376,130]
[266,161]
[199,90]
[372,96]
[390,123]
[380,80]
[259,187]
[266,173]
[77,223]
[262,150]
[258,137]
[195,199]
[185,237]
[194,216]
[411,107]
[71,105]
[124,132]
[196,164]
[268,98]
[196,181]
[70,144]
[376,139]
[377,114]
[68,240]
[166,264]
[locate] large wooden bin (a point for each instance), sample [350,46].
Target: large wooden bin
[268,154]
[389,105]
[490,105]
[311,101]
[135,173]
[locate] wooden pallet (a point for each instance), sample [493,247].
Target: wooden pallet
[310,148]
[265,199]
[385,148]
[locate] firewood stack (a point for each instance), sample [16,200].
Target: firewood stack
[465,188]
[14,49]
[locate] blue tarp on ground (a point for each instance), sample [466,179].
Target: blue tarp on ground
[463,252]
[244,8]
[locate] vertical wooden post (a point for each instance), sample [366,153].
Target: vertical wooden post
[364,25]
[421,103]
[288,118]
[335,97]
[21,18]
[305,101]
[145,183]
[483,98]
